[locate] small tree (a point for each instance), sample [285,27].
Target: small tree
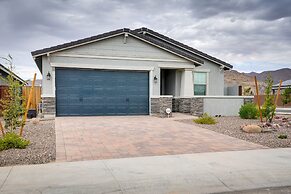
[12,105]
[268,108]
[286,96]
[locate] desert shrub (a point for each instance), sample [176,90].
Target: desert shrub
[205,119]
[286,96]
[268,108]
[13,140]
[282,136]
[248,111]
[12,106]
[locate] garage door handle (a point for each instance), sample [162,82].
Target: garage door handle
[81,99]
[127,100]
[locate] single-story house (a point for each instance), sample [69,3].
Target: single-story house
[285,84]
[4,72]
[126,72]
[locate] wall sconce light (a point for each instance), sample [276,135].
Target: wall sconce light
[155,79]
[48,76]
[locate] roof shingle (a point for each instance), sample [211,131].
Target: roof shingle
[146,35]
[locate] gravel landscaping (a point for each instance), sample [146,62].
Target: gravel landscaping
[231,126]
[41,149]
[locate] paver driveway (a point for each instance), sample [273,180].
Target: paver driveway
[90,138]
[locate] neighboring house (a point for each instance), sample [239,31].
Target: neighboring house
[233,90]
[125,72]
[285,84]
[37,83]
[4,72]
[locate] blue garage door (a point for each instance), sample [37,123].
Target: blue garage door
[98,92]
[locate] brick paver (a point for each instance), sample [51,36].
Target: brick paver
[91,138]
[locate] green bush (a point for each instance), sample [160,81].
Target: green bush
[205,119]
[268,108]
[286,96]
[248,111]
[282,136]
[13,140]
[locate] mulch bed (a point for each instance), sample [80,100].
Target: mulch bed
[231,126]
[41,149]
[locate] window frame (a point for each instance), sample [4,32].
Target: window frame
[206,71]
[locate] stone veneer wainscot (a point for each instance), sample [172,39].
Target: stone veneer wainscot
[49,105]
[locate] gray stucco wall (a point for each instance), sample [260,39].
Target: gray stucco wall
[215,78]
[113,53]
[135,54]
[225,106]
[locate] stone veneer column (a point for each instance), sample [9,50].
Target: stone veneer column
[165,102]
[196,106]
[184,105]
[49,106]
[160,104]
[155,105]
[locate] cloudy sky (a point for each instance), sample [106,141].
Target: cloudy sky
[252,35]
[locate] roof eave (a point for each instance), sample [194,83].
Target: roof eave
[3,68]
[77,43]
[227,66]
[39,53]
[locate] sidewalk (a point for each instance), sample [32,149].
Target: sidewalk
[192,173]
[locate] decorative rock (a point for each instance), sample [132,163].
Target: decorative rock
[35,120]
[251,129]
[277,117]
[268,124]
[284,119]
[267,130]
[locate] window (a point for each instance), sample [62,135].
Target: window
[200,83]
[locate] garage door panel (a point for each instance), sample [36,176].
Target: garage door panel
[95,92]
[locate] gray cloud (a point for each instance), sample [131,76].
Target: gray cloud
[250,34]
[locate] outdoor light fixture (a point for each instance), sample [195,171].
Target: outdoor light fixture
[155,79]
[48,76]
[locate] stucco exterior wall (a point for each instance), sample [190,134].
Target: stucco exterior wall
[231,105]
[133,54]
[47,85]
[112,54]
[215,78]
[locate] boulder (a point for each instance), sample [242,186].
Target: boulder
[35,120]
[251,129]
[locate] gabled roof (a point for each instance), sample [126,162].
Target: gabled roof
[110,34]
[5,72]
[143,34]
[77,42]
[164,38]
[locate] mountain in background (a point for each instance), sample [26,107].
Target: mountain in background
[246,80]
[234,78]
[277,75]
